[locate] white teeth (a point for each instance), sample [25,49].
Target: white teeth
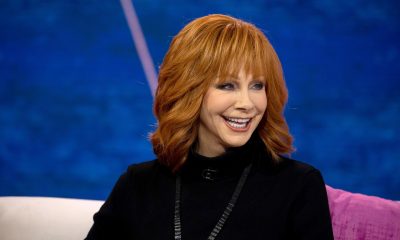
[237,125]
[238,122]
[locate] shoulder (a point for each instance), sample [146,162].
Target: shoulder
[295,166]
[146,170]
[292,172]
[308,172]
[142,167]
[301,175]
[285,165]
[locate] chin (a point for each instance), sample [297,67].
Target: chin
[238,142]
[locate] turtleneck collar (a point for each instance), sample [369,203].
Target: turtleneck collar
[228,165]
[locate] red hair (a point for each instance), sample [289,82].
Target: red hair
[207,48]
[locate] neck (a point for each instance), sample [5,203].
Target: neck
[210,150]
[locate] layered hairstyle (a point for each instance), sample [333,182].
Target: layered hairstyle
[209,48]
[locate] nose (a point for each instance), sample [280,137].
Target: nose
[244,101]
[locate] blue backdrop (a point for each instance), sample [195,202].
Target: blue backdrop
[76,109]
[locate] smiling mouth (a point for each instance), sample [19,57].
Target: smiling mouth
[238,124]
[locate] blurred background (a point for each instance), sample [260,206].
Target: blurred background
[76,107]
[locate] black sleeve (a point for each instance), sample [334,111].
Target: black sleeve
[310,213]
[111,221]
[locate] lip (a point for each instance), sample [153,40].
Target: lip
[238,129]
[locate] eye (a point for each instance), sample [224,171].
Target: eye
[226,86]
[258,86]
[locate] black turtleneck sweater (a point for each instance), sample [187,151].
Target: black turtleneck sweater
[278,201]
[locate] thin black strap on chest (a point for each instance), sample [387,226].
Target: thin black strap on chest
[221,220]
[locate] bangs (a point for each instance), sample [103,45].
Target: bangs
[241,47]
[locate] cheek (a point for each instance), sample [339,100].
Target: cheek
[216,104]
[260,102]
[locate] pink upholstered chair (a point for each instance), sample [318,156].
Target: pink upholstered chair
[361,217]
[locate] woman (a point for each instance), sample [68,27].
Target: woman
[220,143]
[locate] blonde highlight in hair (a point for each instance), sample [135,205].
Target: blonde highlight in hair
[209,48]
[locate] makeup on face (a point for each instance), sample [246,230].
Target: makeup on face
[230,113]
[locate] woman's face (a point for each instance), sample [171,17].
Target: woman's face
[230,112]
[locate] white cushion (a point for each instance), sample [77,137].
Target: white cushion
[45,218]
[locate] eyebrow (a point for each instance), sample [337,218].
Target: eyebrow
[261,78]
[258,78]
